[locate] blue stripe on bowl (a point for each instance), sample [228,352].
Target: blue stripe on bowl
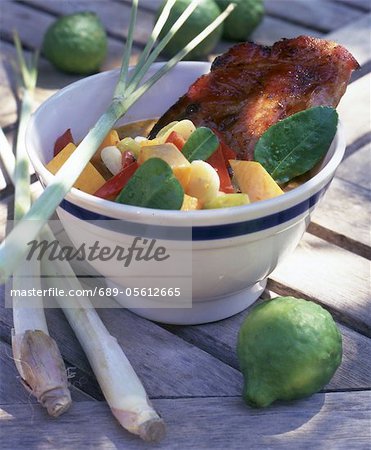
[199,233]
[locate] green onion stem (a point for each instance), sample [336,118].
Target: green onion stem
[147,59]
[22,202]
[155,34]
[14,247]
[121,86]
[175,59]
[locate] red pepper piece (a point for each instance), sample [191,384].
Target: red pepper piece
[63,140]
[228,153]
[112,187]
[218,162]
[176,139]
[127,159]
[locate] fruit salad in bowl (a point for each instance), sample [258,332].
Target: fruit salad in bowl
[234,167]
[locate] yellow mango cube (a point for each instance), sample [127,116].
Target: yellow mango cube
[112,138]
[90,179]
[254,180]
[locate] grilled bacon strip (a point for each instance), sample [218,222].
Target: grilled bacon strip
[251,87]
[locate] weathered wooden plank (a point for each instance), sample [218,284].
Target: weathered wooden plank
[220,340]
[8,112]
[272,29]
[319,14]
[269,31]
[11,389]
[330,275]
[354,38]
[343,216]
[151,5]
[362,4]
[166,364]
[356,167]
[354,109]
[115,16]
[345,211]
[337,420]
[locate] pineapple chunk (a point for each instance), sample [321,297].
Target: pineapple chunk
[185,128]
[204,182]
[227,201]
[254,180]
[190,203]
[149,142]
[129,144]
[90,179]
[166,128]
[179,164]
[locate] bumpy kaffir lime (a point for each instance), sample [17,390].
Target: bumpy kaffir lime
[287,348]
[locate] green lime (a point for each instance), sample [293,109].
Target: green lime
[287,348]
[76,43]
[205,13]
[243,20]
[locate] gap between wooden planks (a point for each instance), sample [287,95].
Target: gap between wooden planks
[333,420]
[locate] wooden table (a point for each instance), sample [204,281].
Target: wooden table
[191,372]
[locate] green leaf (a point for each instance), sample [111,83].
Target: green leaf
[153,185]
[201,144]
[296,144]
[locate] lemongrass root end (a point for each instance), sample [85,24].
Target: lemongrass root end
[42,370]
[153,430]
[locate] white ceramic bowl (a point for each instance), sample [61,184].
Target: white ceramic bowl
[232,251]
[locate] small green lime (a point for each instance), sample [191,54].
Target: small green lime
[243,20]
[205,13]
[76,43]
[287,348]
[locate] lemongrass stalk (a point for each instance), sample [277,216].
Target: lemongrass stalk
[144,63]
[120,385]
[14,246]
[35,353]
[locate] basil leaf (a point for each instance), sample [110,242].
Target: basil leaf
[153,185]
[296,144]
[201,144]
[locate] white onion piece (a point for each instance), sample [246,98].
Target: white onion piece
[140,139]
[112,158]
